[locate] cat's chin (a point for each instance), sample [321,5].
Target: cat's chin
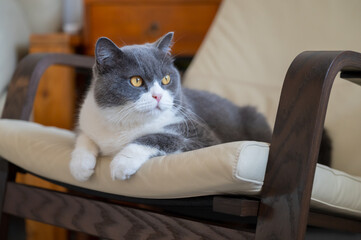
[155,111]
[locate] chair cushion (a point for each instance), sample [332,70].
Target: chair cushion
[251,44]
[46,151]
[231,168]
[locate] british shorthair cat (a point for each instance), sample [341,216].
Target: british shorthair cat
[137,109]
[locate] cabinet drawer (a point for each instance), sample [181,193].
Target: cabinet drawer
[129,22]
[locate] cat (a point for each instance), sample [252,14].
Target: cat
[136,109]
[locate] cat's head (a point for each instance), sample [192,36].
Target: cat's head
[140,77]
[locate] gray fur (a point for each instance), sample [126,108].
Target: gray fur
[210,119]
[165,142]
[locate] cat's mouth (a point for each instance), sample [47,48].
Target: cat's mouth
[152,109]
[153,106]
[157,108]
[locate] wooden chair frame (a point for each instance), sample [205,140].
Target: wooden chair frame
[282,211]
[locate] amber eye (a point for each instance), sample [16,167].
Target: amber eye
[136,81]
[166,80]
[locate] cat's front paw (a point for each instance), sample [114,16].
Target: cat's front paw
[127,162]
[82,164]
[122,167]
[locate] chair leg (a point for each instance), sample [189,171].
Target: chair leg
[6,174]
[4,226]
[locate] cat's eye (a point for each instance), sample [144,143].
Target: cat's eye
[166,80]
[136,81]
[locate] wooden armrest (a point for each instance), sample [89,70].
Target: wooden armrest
[24,83]
[296,140]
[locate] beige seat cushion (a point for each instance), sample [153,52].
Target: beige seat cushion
[232,168]
[251,44]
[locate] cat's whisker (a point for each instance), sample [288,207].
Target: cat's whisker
[122,115]
[194,116]
[190,112]
[119,115]
[186,122]
[188,118]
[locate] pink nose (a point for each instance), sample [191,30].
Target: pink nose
[157,97]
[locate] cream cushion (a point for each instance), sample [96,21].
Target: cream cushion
[232,168]
[251,44]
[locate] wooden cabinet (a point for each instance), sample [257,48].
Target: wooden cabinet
[139,21]
[55,100]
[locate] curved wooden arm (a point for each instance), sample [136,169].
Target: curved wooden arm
[296,139]
[24,83]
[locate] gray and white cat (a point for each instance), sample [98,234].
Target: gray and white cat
[136,109]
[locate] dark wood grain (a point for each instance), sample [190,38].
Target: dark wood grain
[24,83]
[104,219]
[7,173]
[4,173]
[295,142]
[236,206]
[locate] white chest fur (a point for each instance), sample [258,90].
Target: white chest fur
[112,136]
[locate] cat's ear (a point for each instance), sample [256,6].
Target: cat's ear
[105,50]
[165,42]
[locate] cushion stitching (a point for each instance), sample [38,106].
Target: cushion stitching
[340,174]
[336,206]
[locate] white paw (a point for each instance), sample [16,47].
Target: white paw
[129,160]
[122,167]
[82,164]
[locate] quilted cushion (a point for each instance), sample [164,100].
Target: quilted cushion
[231,168]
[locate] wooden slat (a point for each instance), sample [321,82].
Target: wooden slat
[352,76]
[235,206]
[104,219]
